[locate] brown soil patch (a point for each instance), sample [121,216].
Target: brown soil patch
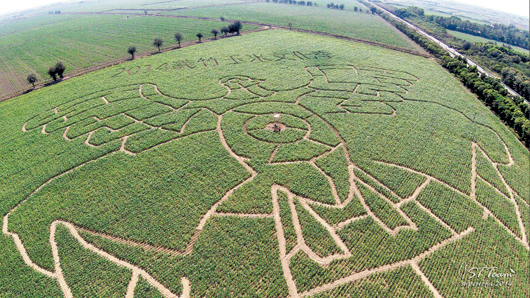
[270,126]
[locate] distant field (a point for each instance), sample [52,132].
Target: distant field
[464,11]
[346,23]
[84,40]
[80,41]
[473,38]
[164,175]
[106,5]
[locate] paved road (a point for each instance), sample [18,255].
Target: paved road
[451,51]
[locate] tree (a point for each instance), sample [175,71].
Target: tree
[355,8]
[131,50]
[290,25]
[373,9]
[235,27]
[341,6]
[158,43]
[145,11]
[32,78]
[225,31]
[199,35]
[214,32]
[52,72]
[178,38]
[59,69]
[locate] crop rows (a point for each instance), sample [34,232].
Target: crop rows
[401,282]
[87,40]
[381,188]
[181,188]
[303,150]
[287,221]
[88,274]
[382,209]
[492,247]
[335,165]
[486,170]
[401,181]
[152,173]
[499,205]
[371,247]
[347,22]
[315,236]
[335,216]
[456,210]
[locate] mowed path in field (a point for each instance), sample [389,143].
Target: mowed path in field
[301,246]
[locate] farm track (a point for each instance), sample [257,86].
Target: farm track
[80,72]
[306,203]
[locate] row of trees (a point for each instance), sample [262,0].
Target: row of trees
[511,109]
[234,28]
[308,3]
[499,32]
[54,71]
[58,69]
[335,6]
[503,33]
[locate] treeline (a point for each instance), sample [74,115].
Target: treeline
[308,3]
[502,55]
[503,33]
[498,58]
[335,6]
[511,65]
[516,80]
[511,109]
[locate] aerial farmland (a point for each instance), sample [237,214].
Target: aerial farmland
[264,149]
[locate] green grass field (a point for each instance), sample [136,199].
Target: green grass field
[163,176]
[84,41]
[346,22]
[472,38]
[93,34]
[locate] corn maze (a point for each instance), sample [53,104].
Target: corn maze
[328,214]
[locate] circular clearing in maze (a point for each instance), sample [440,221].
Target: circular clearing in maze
[267,128]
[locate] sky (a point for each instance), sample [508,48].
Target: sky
[518,7]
